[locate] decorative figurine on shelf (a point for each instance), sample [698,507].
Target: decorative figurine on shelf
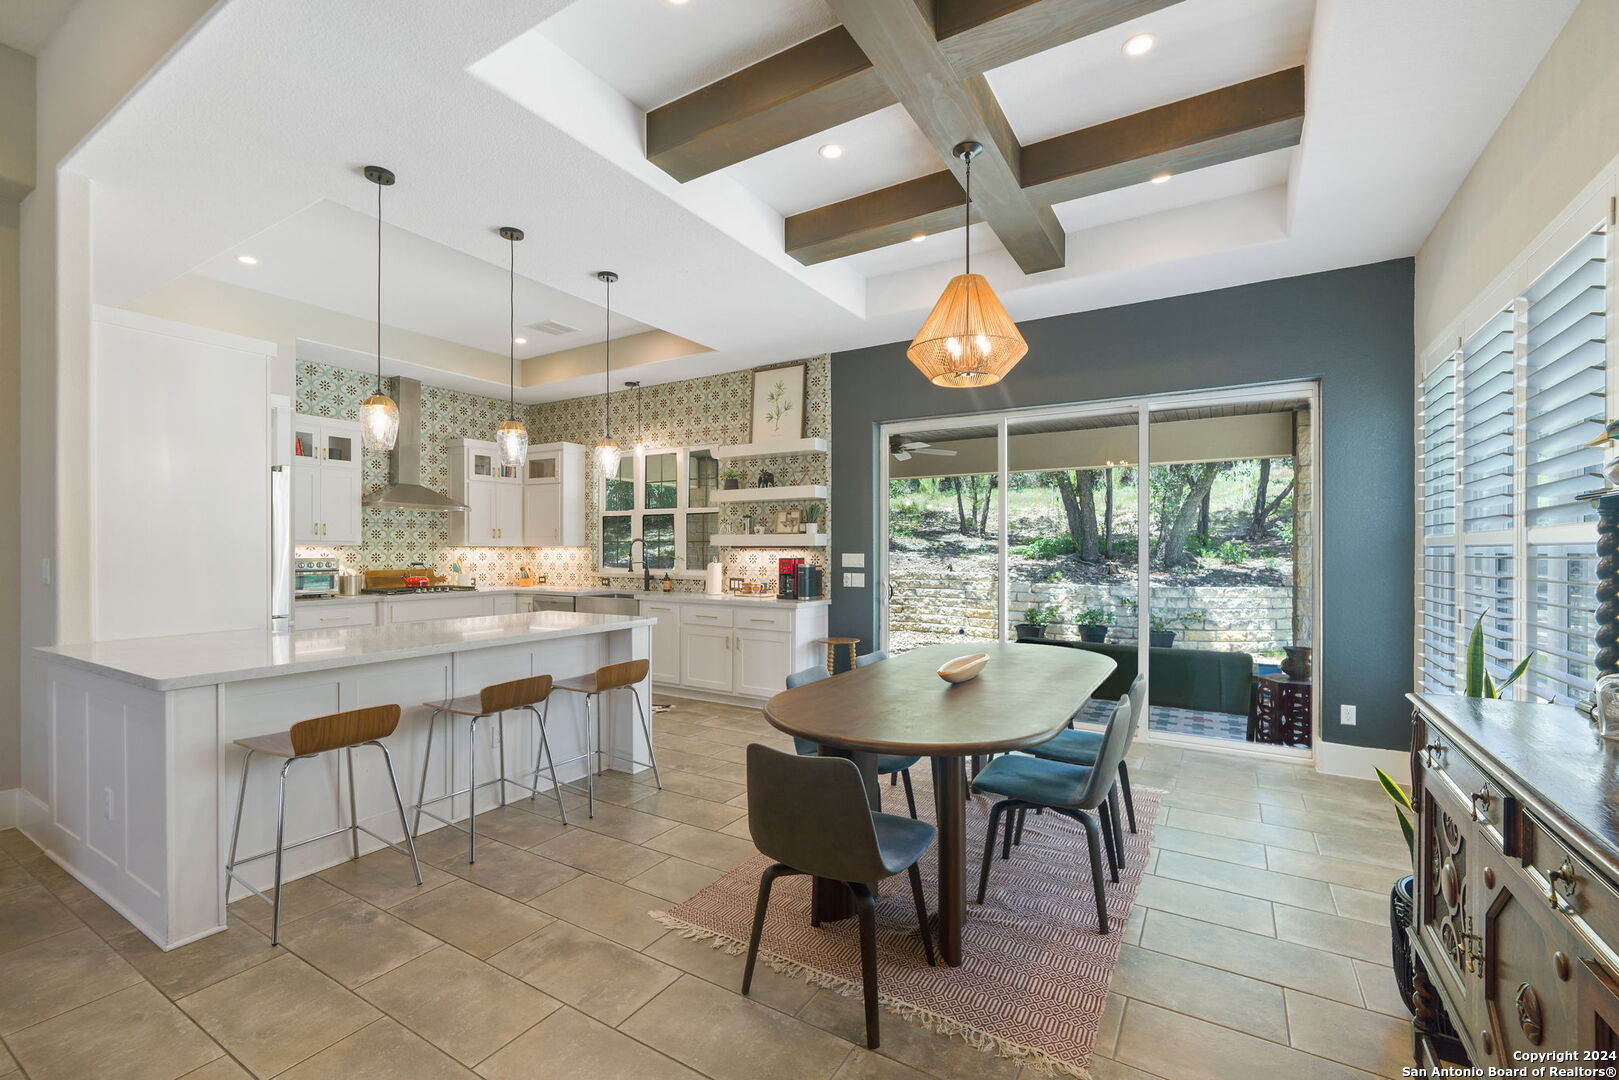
[766,479]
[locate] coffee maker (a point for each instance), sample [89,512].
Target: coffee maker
[797,579]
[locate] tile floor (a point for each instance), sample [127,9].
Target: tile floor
[1258,947]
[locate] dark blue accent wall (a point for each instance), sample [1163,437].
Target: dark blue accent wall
[1351,329]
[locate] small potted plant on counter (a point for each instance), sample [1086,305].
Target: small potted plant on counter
[1093,623]
[812,519]
[730,479]
[1035,621]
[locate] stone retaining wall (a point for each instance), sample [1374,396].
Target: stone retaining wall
[1255,619]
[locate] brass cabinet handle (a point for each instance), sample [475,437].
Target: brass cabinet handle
[1430,755]
[1564,874]
[1481,804]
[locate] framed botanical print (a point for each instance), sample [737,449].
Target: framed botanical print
[790,520]
[778,404]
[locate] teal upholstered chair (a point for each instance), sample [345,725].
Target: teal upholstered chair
[1081,747]
[1075,791]
[897,767]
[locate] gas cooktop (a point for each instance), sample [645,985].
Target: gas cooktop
[404,590]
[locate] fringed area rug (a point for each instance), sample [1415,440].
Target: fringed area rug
[1034,972]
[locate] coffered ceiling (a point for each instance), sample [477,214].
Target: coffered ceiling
[1337,132]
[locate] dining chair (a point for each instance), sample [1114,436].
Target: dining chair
[811,815]
[876,656]
[896,767]
[1080,747]
[1075,791]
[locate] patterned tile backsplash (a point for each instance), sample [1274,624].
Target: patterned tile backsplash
[694,412]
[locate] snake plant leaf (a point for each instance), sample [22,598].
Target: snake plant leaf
[1516,672]
[1409,834]
[1475,661]
[1394,790]
[1490,690]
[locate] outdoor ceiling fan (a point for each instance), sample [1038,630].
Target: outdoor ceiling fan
[903,448]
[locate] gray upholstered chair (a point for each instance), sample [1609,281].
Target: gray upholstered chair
[811,815]
[1081,747]
[896,767]
[1075,791]
[876,656]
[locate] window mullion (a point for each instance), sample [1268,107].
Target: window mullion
[1520,474]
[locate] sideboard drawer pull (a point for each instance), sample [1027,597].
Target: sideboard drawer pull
[1564,874]
[1431,754]
[1480,800]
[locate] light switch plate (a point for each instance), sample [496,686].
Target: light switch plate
[854,581]
[854,558]
[1346,715]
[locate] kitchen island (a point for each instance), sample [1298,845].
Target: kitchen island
[144,764]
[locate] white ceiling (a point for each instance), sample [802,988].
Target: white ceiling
[26,25]
[428,287]
[532,114]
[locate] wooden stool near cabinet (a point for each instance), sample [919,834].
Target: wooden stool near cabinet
[625,675]
[309,739]
[833,644]
[492,701]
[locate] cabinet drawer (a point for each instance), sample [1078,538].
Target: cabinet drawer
[1486,802]
[661,612]
[706,615]
[1583,895]
[327,618]
[768,619]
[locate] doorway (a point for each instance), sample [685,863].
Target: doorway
[1199,569]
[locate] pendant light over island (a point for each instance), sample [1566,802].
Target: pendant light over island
[608,452]
[379,415]
[512,438]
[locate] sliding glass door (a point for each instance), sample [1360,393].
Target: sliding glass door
[1197,569]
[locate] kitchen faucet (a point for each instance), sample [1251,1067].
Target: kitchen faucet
[646,571]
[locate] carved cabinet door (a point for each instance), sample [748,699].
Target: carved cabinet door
[1597,998]
[1528,966]
[1447,915]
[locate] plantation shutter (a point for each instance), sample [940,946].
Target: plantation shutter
[1439,450]
[1437,621]
[1566,385]
[1562,625]
[1486,427]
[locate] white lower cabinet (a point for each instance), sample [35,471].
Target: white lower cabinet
[331,614]
[665,641]
[744,649]
[706,658]
[763,660]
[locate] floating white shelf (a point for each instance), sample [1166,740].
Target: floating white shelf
[772,540]
[788,446]
[772,494]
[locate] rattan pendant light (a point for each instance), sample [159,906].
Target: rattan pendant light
[968,339]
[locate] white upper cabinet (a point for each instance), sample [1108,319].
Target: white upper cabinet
[492,492]
[554,496]
[325,481]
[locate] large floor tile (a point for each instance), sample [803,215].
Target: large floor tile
[189,968]
[472,918]
[1208,846]
[728,1037]
[567,1045]
[461,1005]
[1366,1040]
[1299,891]
[519,825]
[700,812]
[1252,831]
[382,1050]
[1201,902]
[31,913]
[221,1068]
[596,976]
[1221,997]
[303,897]
[784,993]
[1334,933]
[12,875]
[353,942]
[605,907]
[1372,907]
[599,854]
[701,846]
[1378,988]
[383,878]
[910,1044]
[1170,1044]
[1263,958]
[622,822]
[135,1034]
[675,879]
[39,981]
[1324,868]
[509,871]
[273,1016]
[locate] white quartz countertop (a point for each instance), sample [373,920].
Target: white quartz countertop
[174,663]
[657,595]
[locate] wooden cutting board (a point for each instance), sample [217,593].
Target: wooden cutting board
[395,579]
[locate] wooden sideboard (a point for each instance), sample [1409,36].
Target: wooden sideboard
[1516,924]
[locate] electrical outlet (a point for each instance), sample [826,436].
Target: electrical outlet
[107,803]
[1346,715]
[854,581]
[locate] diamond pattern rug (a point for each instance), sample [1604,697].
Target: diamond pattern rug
[1035,971]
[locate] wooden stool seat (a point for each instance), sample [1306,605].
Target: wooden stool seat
[594,686]
[277,745]
[465,705]
[833,644]
[610,677]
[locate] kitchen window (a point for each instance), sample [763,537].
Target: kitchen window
[662,498]
[1502,426]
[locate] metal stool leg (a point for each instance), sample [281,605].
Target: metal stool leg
[500,734]
[472,791]
[646,730]
[236,830]
[591,757]
[280,838]
[354,813]
[545,750]
[427,756]
[399,802]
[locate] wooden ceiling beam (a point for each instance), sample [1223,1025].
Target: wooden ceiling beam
[899,38]
[827,80]
[1234,122]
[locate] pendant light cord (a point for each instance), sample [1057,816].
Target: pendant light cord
[607,345]
[379,288]
[511,328]
[967,216]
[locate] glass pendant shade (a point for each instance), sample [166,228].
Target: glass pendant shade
[379,422]
[607,456]
[512,439]
[968,340]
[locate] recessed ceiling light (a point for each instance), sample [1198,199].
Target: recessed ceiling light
[1140,45]
[247,260]
[1162,178]
[831,151]
[677,3]
[919,237]
[519,341]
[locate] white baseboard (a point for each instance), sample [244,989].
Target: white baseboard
[1341,759]
[709,695]
[8,808]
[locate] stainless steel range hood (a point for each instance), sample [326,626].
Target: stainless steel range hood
[405,490]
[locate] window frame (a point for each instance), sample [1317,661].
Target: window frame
[639,511]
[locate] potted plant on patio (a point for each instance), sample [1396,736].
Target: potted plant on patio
[1035,621]
[1093,623]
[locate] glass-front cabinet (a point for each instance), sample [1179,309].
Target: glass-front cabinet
[663,498]
[326,481]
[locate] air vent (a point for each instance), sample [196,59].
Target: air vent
[554,328]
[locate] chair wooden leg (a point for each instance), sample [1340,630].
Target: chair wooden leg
[922,913]
[1129,800]
[866,906]
[766,879]
[995,814]
[1092,841]
[910,795]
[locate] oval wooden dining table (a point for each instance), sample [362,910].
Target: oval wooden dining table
[1024,696]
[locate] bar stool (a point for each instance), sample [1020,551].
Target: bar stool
[308,739]
[624,675]
[833,644]
[495,701]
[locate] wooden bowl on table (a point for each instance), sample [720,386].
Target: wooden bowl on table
[960,669]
